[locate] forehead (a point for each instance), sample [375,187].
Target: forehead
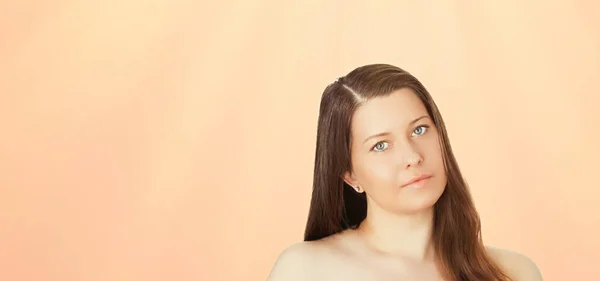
[394,111]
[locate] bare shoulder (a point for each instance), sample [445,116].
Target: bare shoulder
[518,266]
[296,262]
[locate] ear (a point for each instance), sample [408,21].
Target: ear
[350,179]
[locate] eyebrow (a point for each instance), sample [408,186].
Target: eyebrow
[388,133]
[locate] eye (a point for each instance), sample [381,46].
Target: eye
[420,130]
[380,146]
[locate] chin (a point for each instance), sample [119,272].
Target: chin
[420,201]
[416,209]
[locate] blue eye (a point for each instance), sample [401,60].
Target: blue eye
[380,146]
[420,130]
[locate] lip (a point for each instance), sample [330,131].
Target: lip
[416,180]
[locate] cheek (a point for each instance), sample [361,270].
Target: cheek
[434,157]
[375,173]
[434,161]
[431,150]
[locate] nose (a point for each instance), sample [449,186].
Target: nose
[410,156]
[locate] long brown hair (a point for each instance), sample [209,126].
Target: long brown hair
[335,206]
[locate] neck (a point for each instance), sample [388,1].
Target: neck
[406,236]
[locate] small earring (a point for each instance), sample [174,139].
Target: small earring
[357,188]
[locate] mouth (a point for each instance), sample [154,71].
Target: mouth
[417,181]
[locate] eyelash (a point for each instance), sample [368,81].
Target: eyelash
[426,127]
[422,126]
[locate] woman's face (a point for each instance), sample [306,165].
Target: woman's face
[394,142]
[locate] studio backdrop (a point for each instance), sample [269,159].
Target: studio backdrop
[174,140]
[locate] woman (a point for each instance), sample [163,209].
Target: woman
[389,201]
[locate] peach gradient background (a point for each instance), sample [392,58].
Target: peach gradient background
[174,140]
